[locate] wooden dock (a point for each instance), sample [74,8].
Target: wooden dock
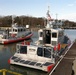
[67,64]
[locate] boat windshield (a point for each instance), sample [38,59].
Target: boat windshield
[44,52]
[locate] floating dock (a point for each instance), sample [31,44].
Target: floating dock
[67,63]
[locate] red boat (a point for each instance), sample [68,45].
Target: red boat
[15,34]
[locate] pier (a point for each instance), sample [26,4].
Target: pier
[69,27]
[66,65]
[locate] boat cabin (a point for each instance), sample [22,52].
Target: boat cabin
[40,53]
[34,57]
[17,31]
[51,36]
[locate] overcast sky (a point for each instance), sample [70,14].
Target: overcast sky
[65,9]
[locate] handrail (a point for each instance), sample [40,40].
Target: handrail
[4,71]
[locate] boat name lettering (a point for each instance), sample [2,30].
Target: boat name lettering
[32,49]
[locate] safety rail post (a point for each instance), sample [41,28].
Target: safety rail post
[4,72]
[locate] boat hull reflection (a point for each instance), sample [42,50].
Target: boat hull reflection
[26,70]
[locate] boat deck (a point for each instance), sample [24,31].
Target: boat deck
[65,66]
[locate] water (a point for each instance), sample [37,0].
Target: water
[71,34]
[6,51]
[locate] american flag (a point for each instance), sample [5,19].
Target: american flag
[48,16]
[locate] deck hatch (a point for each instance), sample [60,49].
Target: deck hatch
[21,61]
[47,63]
[38,64]
[27,62]
[16,60]
[13,57]
[32,63]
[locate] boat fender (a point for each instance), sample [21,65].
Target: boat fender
[9,61]
[58,47]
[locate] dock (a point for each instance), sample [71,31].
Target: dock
[67,64]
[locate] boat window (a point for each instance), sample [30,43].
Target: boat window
[41,34]
[54,35]
[47,53]
[44,52]
[21,30]
[39,51]
[24,30]
[23,49]
[15,30]
[18,30]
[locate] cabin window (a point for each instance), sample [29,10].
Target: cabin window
[47,53]
[41,34]
[54,35]
[39,52]
[18,30]
[15,30]
[21,30]
[44,52]
[23,49]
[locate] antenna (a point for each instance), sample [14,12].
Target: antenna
[48,8]
[13,16]
[56,16]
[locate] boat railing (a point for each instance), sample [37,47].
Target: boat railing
[4,72]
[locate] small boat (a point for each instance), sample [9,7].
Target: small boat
[44,54]
[15,34]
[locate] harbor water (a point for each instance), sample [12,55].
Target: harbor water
[6,51]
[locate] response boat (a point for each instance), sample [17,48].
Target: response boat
[15,34]
[43,55]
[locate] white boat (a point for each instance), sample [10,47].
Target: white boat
[43,55]
[15,34]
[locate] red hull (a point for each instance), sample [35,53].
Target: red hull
[19,39]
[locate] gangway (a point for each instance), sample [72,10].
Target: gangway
[4,72]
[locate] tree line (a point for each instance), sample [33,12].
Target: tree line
[6,21]
[21,20]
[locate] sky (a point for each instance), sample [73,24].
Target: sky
[62,9]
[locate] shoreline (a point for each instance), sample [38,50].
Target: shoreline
[32,29]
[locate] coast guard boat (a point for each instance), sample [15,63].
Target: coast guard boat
[15,34]
[42,56]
